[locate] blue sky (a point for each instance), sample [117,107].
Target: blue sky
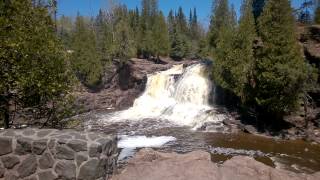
[91,7]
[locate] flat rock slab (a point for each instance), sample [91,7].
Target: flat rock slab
[152,165]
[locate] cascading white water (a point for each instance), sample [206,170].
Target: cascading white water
[179,95]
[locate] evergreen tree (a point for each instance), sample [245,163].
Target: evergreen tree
[257,7]
[103,33]
[317,15]
[123,42]
[33,68]
[85,58]
[220,18]
[235,57]
[179,44]
[145,35]
[64,27]
[280,69]
[182,22]
[160,36]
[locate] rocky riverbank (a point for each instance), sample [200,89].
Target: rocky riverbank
[149,164]
[122,84]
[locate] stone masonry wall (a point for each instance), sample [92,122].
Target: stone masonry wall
[48,154]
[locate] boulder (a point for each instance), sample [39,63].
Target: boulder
[149,164]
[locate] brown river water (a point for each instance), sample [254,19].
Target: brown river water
[170,115]
[293,155]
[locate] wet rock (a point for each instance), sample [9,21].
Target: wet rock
[47,175]
[10,161]
[250,129]
[28,166]
[39,146]
[149,164]
[6,145]
[46,161]
[122,84]
[77,145]
[66,170]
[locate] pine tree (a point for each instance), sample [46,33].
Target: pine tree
[123,42]
[257,6]
[85,58]
[182,22]
[179,44]
[103,33]
[235,58]
[280,69]
[220,18]
[33,68]
[160,36]
[317,15]
[64,27]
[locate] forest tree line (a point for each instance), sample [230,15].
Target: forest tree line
[119,33]
[256,56]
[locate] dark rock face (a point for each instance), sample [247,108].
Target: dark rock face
[148,164]
[123,84]
[6,145]
[33,154]
[28,166]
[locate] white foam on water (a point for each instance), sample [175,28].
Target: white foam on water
[133,142]
[179,95]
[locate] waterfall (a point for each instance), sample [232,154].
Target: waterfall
[179,95]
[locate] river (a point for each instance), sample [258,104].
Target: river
[177,113]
